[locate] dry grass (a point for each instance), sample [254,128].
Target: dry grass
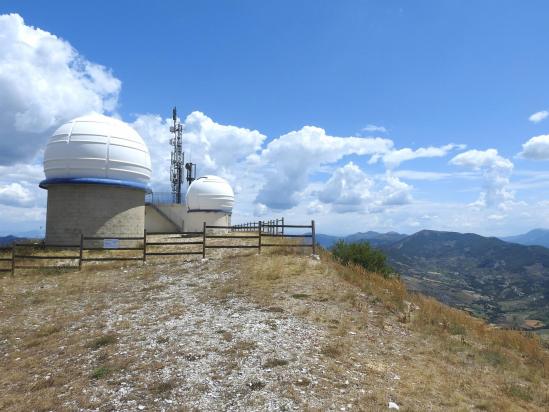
[432,317]
[445,358]
[64,340]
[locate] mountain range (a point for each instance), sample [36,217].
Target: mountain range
[538,237]
[506,283]
[6,241]
[373,238]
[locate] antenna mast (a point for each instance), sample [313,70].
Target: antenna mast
[176,168]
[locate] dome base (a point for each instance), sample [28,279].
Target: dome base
[93,210]
[45,184]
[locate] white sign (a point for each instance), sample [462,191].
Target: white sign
[111,243]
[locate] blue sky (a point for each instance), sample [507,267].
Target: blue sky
[431,73]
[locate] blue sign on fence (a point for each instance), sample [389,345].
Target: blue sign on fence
[111,243]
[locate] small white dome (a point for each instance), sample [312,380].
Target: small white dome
[210,193]
[97,146]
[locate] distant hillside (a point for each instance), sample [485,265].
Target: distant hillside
[538,237]
[8,240]
[374,238]
[505,282]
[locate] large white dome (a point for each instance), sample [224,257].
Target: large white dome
[97,147]
[210,193]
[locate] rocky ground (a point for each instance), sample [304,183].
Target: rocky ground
[214,335]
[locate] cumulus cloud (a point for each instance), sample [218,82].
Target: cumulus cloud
[482,159]
[394,158]
[372,128]
[224,150]
[538,116]
[495,170]
[43,82]
[396,192]
[537,148]
[220,148]
[348,189]
[14,194]
[276,176]
[19,185]
[260,210]
[289,160]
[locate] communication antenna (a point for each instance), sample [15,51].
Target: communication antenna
[176,168]
[191,172]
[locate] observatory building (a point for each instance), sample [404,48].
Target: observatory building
[97,173]
[209,199]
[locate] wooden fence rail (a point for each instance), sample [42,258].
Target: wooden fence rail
[171,242]
[7,259]
[147,245]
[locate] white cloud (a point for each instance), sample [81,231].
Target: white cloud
[348,189]
[431,176]
[156,132]
[537,148]
[538,116]
[482,159]
[394,158]
[372,128]
[220,148]
[260,210]
[14,194]
[43,82]
[395,192]
[288,161]
[224,150]
[496,171]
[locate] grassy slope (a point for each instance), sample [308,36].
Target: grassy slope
[271,331]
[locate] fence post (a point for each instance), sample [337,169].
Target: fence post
[81,251]
[13,259]
[282,226]
[259,242]
[204,241]
[313,236]
[145,245]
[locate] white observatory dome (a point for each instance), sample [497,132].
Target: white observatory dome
[210,193]
[97,149]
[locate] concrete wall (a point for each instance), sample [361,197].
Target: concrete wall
[177,213]
[176,218]
[94,210]
[195,220]
[157,222]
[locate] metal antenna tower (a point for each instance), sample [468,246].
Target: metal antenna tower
[176,168]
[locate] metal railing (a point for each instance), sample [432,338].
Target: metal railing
[160,198]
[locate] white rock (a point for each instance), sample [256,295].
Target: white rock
[140,407]
[393,405]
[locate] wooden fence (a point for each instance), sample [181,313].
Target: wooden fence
[139,248]
[6,261]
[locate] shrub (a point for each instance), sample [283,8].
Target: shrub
[361,254]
